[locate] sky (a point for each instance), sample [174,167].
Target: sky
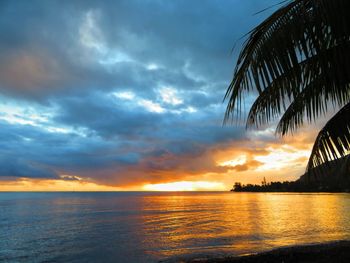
[128,95]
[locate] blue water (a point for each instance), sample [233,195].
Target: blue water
[148,227]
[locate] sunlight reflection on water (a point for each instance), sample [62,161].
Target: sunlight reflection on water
[147,227]
[244,222]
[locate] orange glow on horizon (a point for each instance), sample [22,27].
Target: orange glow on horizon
[219,172]
[33,185]
[186,186]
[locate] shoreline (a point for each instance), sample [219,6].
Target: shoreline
[334,251]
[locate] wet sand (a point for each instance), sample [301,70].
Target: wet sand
[328,252]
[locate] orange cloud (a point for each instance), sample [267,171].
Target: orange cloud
[217,167]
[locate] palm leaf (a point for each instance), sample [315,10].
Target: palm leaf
[312,94]
[298,61]
[333,141]
[300,30]
[311,103]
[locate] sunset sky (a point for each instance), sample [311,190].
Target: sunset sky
[127,95]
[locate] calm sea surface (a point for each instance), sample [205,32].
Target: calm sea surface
[148,227]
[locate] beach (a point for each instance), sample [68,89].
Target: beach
[320,253]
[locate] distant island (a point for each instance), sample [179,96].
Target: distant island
[333,176]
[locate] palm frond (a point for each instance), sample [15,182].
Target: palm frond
[333,141]
[279,52]
[320,83]
[246,74]
[311,103]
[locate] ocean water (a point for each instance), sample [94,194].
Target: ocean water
[149,227]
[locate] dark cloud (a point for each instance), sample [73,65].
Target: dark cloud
[11,166]
[30,149]
[62,43]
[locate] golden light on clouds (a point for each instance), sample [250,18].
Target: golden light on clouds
[217,169]
[281,158]
[250,161]
[239,160]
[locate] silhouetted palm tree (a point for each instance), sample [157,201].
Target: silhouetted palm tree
[298,60]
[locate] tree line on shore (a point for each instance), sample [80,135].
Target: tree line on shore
[287,186]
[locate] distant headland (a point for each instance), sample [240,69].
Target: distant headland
[333,176]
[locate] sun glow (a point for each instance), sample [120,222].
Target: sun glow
[282,157]
[185,186]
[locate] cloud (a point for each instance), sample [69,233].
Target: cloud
[122,92]
[11,166]
[100,45]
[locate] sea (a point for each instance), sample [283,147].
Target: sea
[163,226]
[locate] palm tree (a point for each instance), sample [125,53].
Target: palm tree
[298,62]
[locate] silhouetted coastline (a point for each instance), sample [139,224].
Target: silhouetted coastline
[287,186]
[333,177]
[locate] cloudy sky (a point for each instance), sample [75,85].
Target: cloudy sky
[127,95]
